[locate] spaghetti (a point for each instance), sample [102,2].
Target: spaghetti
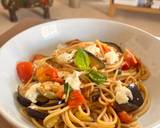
[84,85]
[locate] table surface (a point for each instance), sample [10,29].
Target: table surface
[22,25]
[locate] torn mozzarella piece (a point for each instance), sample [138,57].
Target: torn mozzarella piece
[93,49]
[123,94]
[33,106]
[111,57]
[66,57]
[73,80]
[32,92]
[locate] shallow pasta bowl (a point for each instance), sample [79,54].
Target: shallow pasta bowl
[44,38]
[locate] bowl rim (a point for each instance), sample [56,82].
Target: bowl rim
[13,121]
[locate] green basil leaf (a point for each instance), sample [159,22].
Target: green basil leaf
[97,77]
[82,60]
[67,91]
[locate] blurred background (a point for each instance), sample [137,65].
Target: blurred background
[88,9]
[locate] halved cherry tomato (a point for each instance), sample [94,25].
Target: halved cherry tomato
[130,61]
[46,72]
[24,71]
[40,74]
[37,57]
[75,99]
[125,66]
[58,79]
[51,71]
[125,117]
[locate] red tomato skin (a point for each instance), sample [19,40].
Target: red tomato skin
[125,66]
[76,99]
[130,61]
[24,71]
[125,117]
[46,73]
[51,71]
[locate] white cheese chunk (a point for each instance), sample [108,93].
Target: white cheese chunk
[33,106]
[93,49]
[66,57]
[32,92]
[111,57]
[73,80]
[122,93]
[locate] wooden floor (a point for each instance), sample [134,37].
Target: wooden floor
[89,9]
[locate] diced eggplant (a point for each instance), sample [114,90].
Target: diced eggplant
[41,100]
[119,49]
[133,104]
[95,97]
[128,107]
[22,100]
[36,114]
[95,61]
[54,102]
[137,96]
[60,102]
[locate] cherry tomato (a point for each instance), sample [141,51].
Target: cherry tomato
[125,117]
[75,99]
[53,73]
[125,66]
[130,61]
[24,71]
[46,72]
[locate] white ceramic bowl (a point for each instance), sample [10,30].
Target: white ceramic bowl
[43,39]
